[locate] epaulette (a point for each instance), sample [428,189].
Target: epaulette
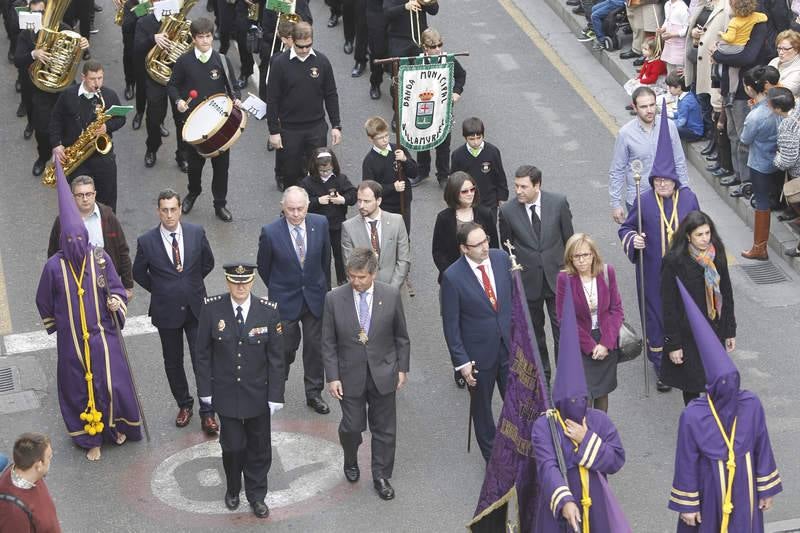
[211,299]
[268,303]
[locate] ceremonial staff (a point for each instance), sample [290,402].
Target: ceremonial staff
[395,61]
[636,167]
[102,282]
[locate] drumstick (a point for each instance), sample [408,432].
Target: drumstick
[192,96]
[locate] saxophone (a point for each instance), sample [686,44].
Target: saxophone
[87,143]
[159,60]
[64,48]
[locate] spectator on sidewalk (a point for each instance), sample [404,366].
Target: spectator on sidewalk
[788,60]
[782,103]
[645,17]
[652,71]
[673,31]
[688,117]
[599,12]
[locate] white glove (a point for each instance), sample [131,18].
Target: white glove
[274,407]
[205,399]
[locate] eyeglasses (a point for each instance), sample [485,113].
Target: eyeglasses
[467,191]
[785,48]
[662,181]
[433,46]
[582,257]
[484,241]
[381,136]
[84,195]
[302,46]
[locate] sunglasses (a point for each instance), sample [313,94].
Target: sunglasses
[433,46]
[467,191]
[302,46]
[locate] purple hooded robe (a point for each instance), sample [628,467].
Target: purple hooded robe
[58,300]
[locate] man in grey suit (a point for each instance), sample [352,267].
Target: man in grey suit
[538,224]
[366,351]
[381,231]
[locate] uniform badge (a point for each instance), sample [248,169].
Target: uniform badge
[214,73]
[279,328]
[221,325]
[314,72]
[486,167]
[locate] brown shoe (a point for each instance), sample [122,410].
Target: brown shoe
[184,415]
[209,425]
[760,236]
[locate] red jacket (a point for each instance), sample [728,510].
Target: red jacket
[651,70]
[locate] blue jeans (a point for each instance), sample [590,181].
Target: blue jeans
[764,186]
[599,12]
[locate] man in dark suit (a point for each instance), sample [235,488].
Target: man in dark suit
[75,109]
[171,261]
[367,353]
[240,370]
[538,224]
[294,260]
[476,317]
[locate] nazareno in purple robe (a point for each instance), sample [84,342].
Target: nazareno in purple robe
[700,470]
[600,452]
[57,300]
[655,249]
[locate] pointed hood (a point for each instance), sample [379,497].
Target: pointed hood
[570,394]
[722,376]
[74,237]
[664,161]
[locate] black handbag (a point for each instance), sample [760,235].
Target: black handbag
[629,343]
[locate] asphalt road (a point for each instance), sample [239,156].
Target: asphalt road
[535,108]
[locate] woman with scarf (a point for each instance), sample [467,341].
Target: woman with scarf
[697,258]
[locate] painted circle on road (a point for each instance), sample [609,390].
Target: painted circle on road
[303,466]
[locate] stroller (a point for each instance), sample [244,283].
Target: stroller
[614,23]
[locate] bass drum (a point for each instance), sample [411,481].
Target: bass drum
[214,125]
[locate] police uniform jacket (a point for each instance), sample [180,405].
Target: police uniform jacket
[242,373]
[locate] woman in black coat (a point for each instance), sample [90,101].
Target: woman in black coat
[330,192]
[463,205]
[697,258]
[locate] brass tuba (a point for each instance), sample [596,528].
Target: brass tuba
[159,61]
[416,29]
[64,48]
[87,143]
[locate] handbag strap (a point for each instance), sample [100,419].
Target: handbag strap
[19,503]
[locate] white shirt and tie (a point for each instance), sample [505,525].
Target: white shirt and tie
[299,237]
[474,267]
[357,299]
[166,239]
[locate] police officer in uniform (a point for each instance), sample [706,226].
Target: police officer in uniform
[240,371]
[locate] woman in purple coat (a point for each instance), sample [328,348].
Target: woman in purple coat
[598,310]
[589,443]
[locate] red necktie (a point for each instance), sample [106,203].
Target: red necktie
[487,286]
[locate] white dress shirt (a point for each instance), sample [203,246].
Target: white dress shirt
[293,55]
[94,227]
[245,307]
[166,238]
[538,204]
[83,92]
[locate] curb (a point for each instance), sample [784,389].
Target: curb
[781,236]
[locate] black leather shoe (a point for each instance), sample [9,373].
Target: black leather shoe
[348,47]
[358,69]
[38,167]
[231,502]
[188,203]
[662,387]
[729,181]
[183,164]
[712,157]
[578,10]
[738,192]
[223,214]
[333,21]
[28,133]
[137,121]
[352,472]
[638,62]
[279,183]
[573,3]
[164,131]
[149,159]
[709,148]
[383,488]
[375,92]
[241,83]
[260,509]
[130,91]
[722,173]
[713,167]
[629,54]
[21,110]
[318,405]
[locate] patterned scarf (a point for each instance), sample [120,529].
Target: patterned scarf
[713,295]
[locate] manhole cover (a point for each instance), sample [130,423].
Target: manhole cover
[9,379]
[766,273]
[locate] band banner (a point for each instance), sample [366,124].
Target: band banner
[281,6]
[426,102]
